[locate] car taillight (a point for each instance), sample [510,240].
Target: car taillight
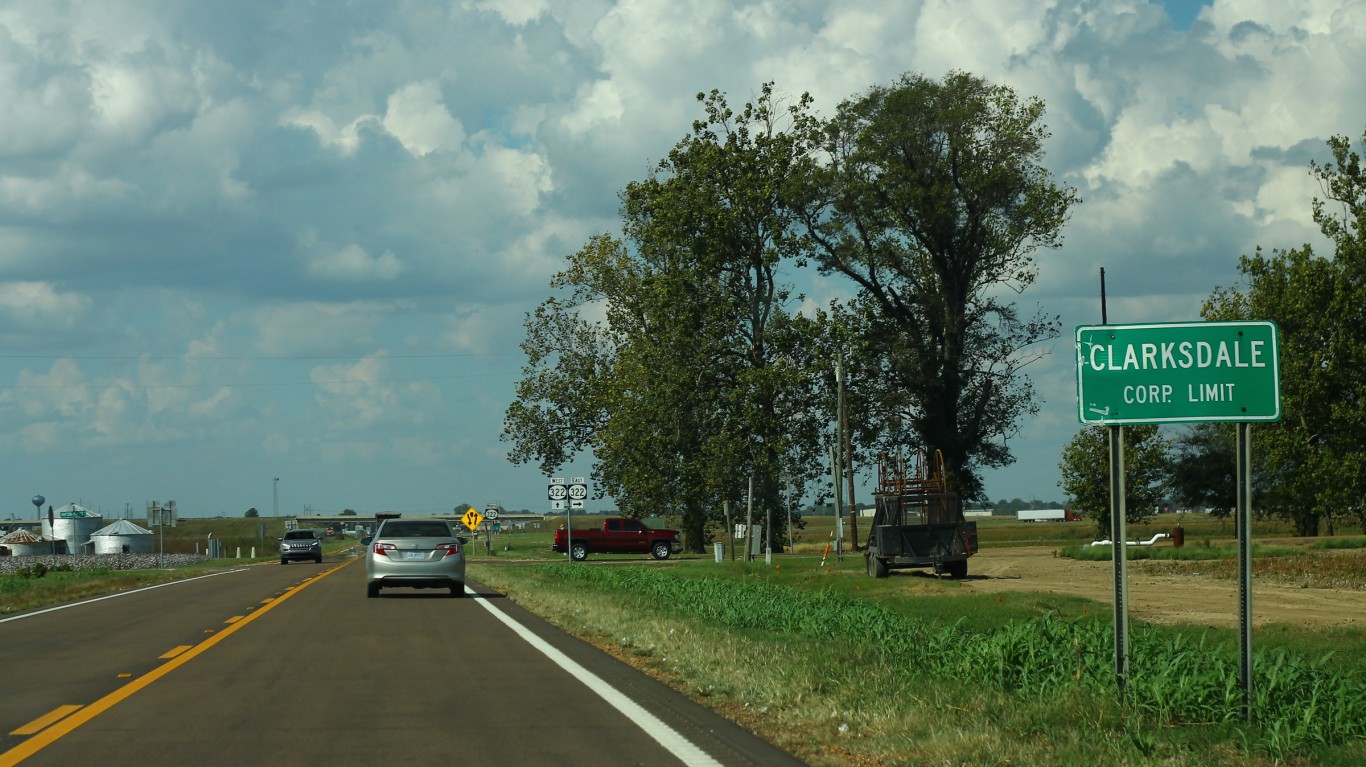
[383,549]
[449,548]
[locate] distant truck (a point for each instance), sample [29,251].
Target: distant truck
[617,535]
[1046,515]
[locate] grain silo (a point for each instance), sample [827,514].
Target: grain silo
[123,537]
[23,542]
[74,525]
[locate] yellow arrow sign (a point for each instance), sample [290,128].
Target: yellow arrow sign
[472,519]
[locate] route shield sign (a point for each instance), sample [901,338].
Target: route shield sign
[557,493]
[1180,372]
[578,491]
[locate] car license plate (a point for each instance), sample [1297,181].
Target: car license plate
[415,555]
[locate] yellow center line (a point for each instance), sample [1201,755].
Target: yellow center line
[174,651]
[65,726]
[43,721]
[233,619]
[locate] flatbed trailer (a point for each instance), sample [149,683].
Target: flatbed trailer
[917,522]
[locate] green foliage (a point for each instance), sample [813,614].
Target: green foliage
[252,513]
[1204,471]
[1311,461]
[1175,678]
[35,570]
[693,375]
[1085,469]
[1184,554]
[931,196]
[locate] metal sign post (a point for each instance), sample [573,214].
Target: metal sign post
[1244,527]
[558,493]
[1181,372]
[1119,547]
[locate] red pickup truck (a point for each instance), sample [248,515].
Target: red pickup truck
[617,535]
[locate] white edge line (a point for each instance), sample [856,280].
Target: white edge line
[119,594]
[686,751]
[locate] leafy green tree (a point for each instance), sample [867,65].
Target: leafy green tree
[562,397]
[1204,472]
[348,512]
[1311,461]
[1086,473]
[673,359]
[932,197]
[252,513]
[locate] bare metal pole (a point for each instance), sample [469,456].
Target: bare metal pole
[730,532]
[1120,550]
[835,473]
[1103,320]
[1244,522]
[1119,535]
[848,464]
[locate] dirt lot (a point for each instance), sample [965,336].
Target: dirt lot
[1160,598]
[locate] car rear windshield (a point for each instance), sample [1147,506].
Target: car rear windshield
[415,530]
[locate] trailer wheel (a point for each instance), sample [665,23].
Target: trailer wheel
[958,570]
[877,567]
[578,551]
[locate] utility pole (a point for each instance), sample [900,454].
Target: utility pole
[847,442]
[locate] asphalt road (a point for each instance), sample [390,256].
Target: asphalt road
[276,664]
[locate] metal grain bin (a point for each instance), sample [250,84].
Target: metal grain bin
[74,525]
[123,537]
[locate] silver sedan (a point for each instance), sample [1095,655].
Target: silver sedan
[415,553]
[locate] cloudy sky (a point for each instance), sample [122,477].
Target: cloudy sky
[296,239]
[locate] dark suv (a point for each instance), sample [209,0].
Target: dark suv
[301,544]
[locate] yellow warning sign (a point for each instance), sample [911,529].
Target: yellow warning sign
[472,519]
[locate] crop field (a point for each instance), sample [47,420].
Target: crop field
[842,669]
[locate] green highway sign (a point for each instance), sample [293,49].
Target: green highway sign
[1179,372]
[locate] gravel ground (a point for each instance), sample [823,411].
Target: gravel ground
[102,561]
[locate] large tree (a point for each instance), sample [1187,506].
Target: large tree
[1312,461]
[715,203]
[932,197]
[693,377]
[1086,473]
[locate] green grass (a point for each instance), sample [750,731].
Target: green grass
[1339,543]
[1183,554]
[1019,674]
[18,593]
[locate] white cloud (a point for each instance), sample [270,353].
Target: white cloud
[200,198]
[40,303]
[417,117]
[360,396]
[516,12]
[287,330]
[353,264]
[344,138]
